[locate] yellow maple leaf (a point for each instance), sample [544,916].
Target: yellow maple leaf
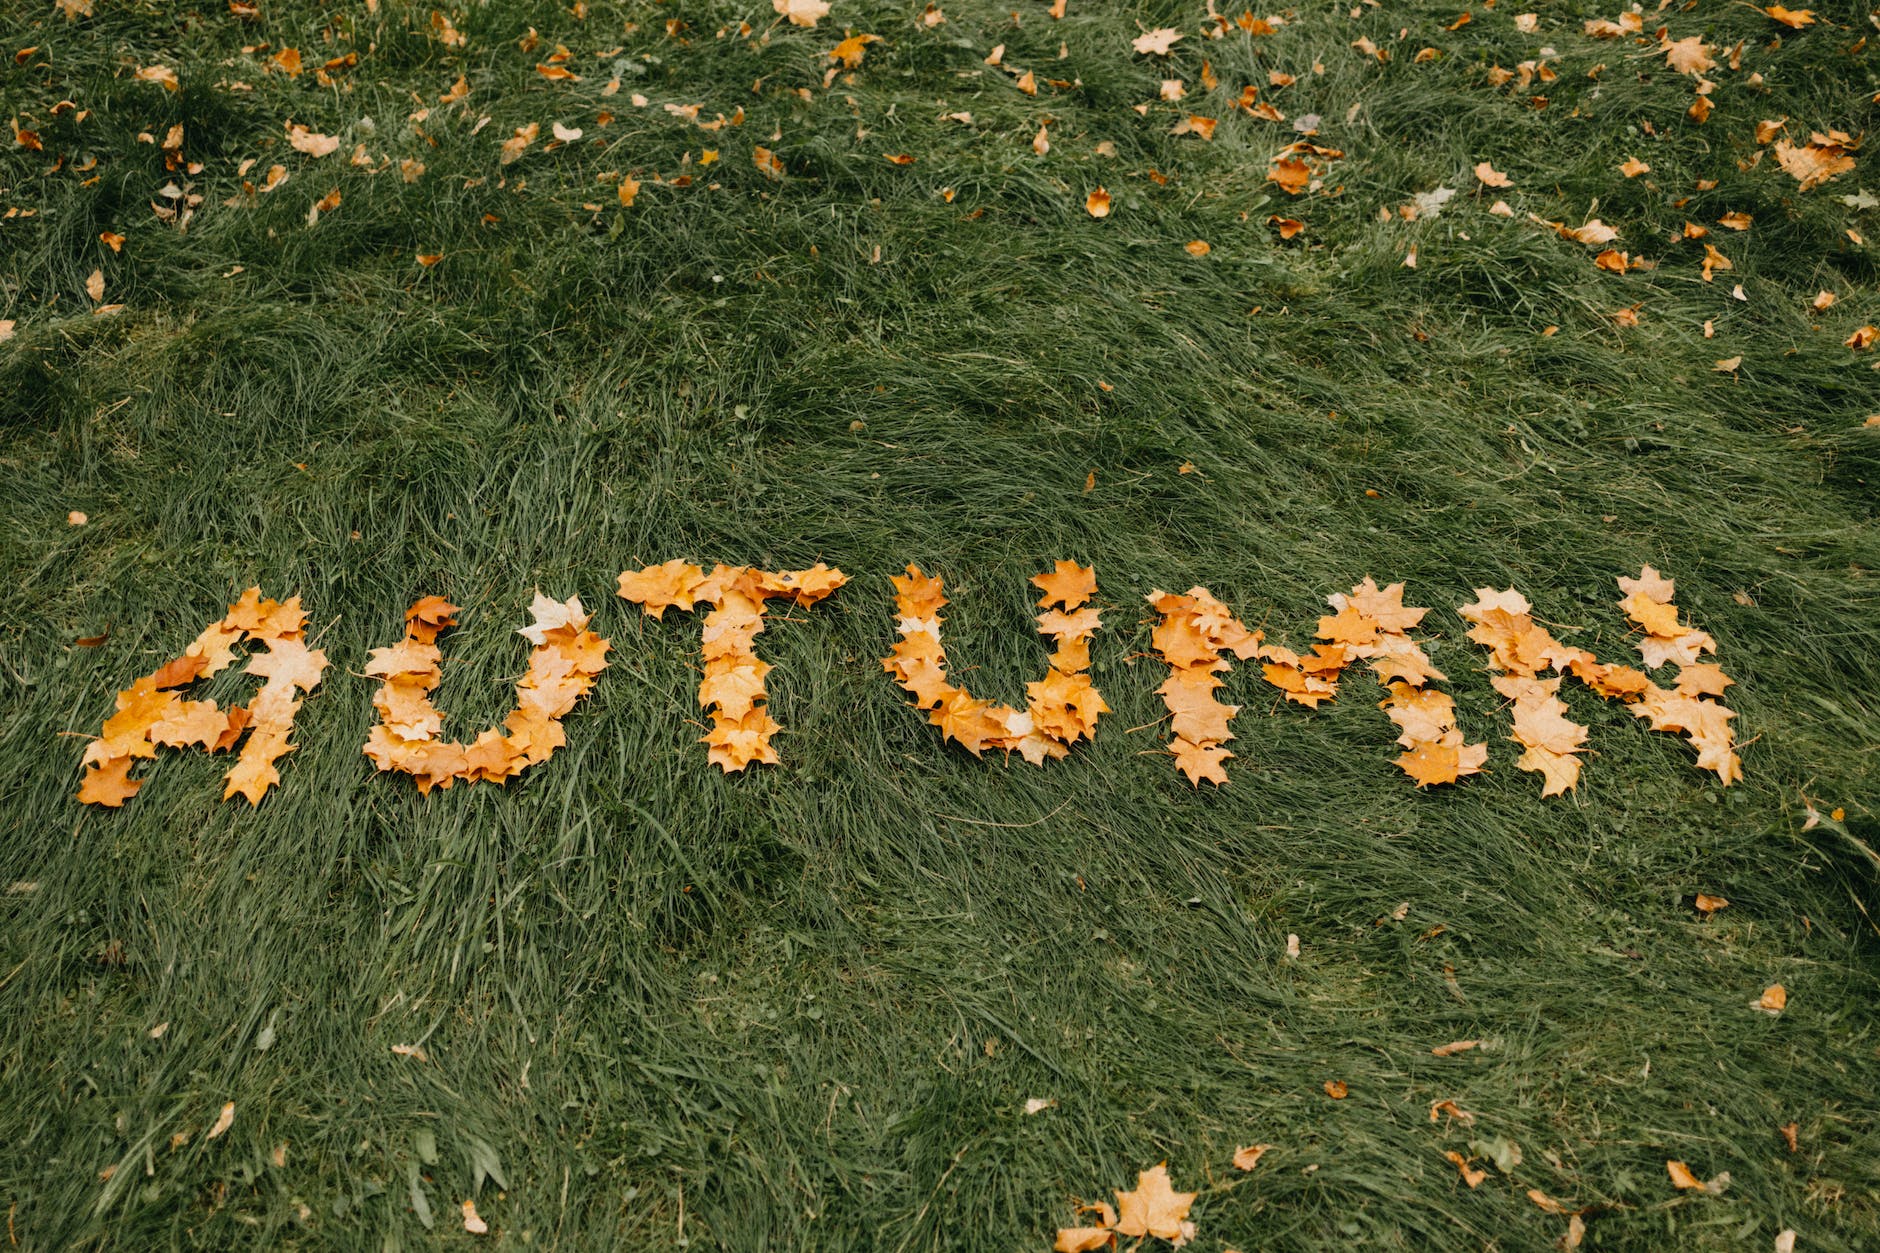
[1067,583]
[802,12]
[1154,1208]
[671,584]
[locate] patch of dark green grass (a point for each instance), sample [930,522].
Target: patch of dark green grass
[806,1006]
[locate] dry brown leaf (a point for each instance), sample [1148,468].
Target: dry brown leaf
[1156,42]
[1546,1202]
[1688,56]
[1454,1047]
[1489,176]
[801,12]
[1154,1208]
[1337,1089]
[1815,162]
[1470,1176]
[1097,203]
[300,139]
[1449,1109]
[1248,1156]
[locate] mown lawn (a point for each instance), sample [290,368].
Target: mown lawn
[805,1006]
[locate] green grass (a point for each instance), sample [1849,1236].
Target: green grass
[805,1007]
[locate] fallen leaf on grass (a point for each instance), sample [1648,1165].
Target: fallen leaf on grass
[1633,167]
[1823,158]
[850,51]
[1248,1157]
[1449,1109]
[1710,904]
[1791,1136]
[1197,248]
[801,12]
[472,1223]
[414,1051]
[94,286]
[1470,1175]
[1688,56]
[1337,1089]
[518,143]
[1546,1202]
[1154,1208]
[1773,1001]
[1156,42]
[1038,1104]
[1489,176]
[1097,203]
[1454,1047]
[1683,1179]
[223,1121]
[312,143]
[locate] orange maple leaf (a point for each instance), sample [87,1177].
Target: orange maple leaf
[1068,584]
[1154,1208]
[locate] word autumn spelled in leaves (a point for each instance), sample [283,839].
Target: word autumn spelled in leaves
[1193,635]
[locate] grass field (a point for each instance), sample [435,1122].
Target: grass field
[805,1007]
